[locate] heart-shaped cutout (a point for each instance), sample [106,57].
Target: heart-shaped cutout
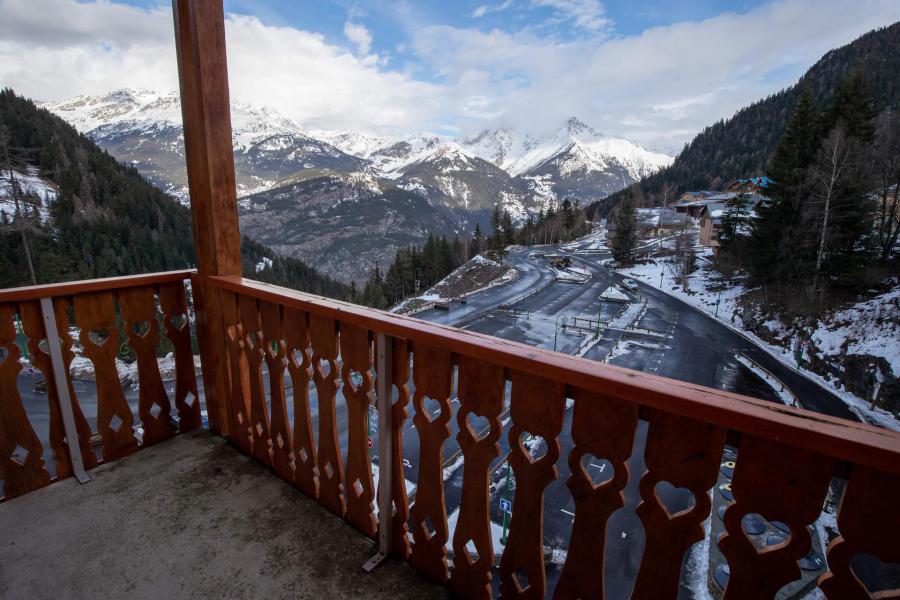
[478,426]
[597,470]
[674,500]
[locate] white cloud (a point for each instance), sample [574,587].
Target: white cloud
[360,36]
[659,87]
[586,14]
[484,9]
[100,46]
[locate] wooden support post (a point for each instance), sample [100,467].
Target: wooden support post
[206,113]
[384,366]
[62,390]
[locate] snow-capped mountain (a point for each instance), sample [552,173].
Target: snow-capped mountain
[144,128]
[577,148]
[365,193]
[457,179]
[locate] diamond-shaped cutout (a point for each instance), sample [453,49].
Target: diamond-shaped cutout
[253,339]
[304,455]
[178,321]
[279,440]
[98,337]
[259,428]
[190,398]
[19,455]
[427,526]
[329,470]
[521,580]
[116,423]
[470,552]
[273,347]
[155,410]
[141,329]
[358,488]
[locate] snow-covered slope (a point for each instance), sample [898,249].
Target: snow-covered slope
[517,153]
[144,128]
[35,194]
[523,171]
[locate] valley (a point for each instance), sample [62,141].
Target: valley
[299,186]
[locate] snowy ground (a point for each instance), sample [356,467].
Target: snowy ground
[867,323]
[30,183]
[437,293]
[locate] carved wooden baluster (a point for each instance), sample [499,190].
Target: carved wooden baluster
[96,313]
[481,387]
[780,483]
[399,412]
[238,373]
[602,426]
[323,333]
[21,452]
[356,352]
[33,324]
[869,523]
[138,306]
[173,303]
[537,407]
[433,377]
[254,351]
[685,453]
[276,359]
[306,474]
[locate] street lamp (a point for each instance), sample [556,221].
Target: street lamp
[556,329]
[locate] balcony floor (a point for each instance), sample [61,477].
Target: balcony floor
[187,518]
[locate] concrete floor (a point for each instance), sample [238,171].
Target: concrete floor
[188,518]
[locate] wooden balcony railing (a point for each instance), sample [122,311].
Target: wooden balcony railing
[786,458]
[135,310]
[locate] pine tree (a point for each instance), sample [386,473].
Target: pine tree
[496,241]
[508,232]
[478,239]
[625,239]
[774,253]
[735,219]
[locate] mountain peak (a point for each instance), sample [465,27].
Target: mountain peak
[575,127]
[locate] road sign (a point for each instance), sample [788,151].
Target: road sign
[505,505]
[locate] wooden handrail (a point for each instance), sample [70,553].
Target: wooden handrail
[838,438]
[69,288]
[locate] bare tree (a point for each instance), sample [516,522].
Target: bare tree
[827,174]
[887,176]
[9,183]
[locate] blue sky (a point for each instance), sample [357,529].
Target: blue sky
[393,23]
[653,71]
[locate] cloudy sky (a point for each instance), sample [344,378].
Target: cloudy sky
[656,71]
